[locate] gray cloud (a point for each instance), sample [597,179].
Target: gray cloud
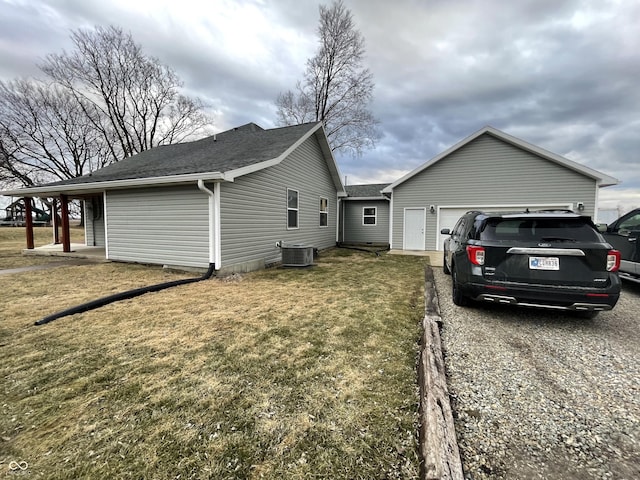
[561,75]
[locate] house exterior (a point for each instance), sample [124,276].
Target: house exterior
[489,170]
[225,199]
[229,199]
[364,215]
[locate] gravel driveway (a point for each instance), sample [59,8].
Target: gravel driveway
[542,395]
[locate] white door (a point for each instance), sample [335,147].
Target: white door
[414,219]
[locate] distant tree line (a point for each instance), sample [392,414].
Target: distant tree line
[99,103]
[106,100]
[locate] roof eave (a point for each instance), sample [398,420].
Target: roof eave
[318,130]
[369,199]
[90,187]
[601,179]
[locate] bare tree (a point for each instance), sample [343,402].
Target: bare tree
[44,135]
[126,95]
[336,88]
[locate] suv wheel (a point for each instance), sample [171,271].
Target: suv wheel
[458,298]
[445,267]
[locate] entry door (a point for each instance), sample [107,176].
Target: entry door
[414,219]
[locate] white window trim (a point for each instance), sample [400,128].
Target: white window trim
[297,210]
[325,212]
[375,217]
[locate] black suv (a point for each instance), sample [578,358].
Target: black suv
[624,235]
[549,259]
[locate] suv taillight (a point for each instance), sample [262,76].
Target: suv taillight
[613,260]
[475,254]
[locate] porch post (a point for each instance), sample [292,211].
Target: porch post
[54,221]
[28,222]
[64,213]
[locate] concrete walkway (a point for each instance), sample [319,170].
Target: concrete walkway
[78,250]
[435,257]
[80,254]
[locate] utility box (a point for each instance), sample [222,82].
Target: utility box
[297,256]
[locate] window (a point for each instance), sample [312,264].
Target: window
[369,215]
[324,212]
[292,208]
[538,229]
[631,224]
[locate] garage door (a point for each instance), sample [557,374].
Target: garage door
[448,216]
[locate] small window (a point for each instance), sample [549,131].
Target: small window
[292,208]
[369,216]
[324,212]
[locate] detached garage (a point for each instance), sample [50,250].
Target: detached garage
[491,171]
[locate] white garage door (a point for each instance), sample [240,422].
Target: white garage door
[448,216]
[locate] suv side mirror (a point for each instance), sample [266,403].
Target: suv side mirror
[445,231]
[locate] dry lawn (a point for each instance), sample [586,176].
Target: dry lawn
[282,373]
[13,241]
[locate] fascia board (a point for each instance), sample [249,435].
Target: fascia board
[436,159]
[601,179]
[113,184]
[368,199]
[331,163]
[238,172]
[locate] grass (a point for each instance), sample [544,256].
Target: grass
[13,241]
[282,373]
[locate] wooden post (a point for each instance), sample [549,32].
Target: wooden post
[28,221]
[54,221]
[64,213]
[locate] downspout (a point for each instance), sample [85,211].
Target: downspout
[105,223]
[214,238]
[391,213]
[212,219]
[339,221]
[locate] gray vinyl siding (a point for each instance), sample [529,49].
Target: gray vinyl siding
[354,229]
[488,171]
[95,232]
[253,209]
[94,225]
[165,225]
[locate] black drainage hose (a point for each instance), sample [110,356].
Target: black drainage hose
[116,297]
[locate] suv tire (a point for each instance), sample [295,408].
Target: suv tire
[458,298]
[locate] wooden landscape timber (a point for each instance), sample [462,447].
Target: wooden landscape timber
[440,458]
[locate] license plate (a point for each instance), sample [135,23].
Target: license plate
[544,263]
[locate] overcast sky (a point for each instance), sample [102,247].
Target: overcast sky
[561,74]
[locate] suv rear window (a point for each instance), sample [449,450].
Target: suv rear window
[538,229]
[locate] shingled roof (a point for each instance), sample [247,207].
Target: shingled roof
[368,191]
[219,157]
[223,152]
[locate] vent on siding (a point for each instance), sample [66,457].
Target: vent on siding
[297,256]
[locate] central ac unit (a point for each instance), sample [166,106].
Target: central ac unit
[297,256]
